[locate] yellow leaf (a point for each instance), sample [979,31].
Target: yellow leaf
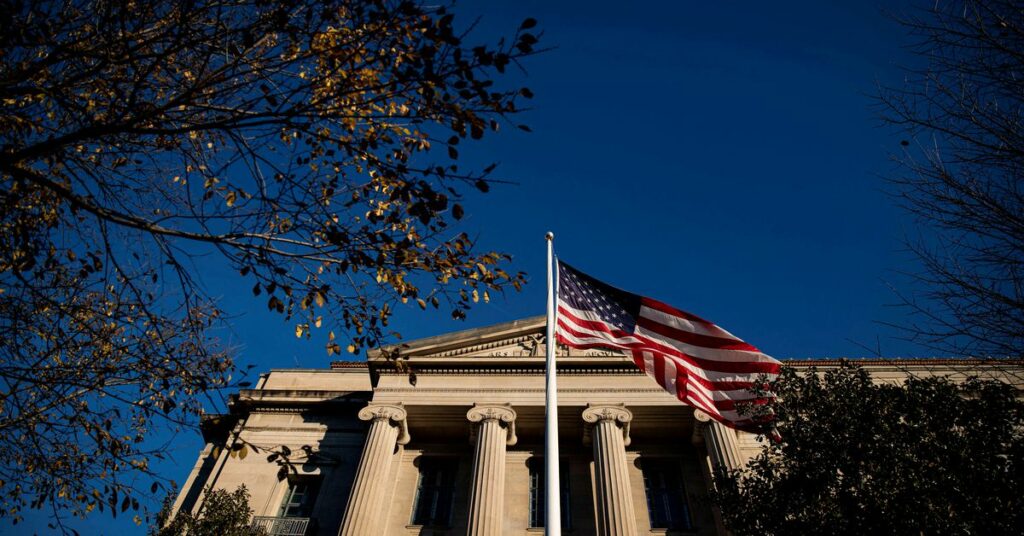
[351,348]
[422,304]
[319,320]
[319,298]
[298,330]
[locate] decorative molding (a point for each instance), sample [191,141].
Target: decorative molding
[526,343]
[515,390]
[617,413]
[292,410]
[536,370]
[336,365]
[504,414]
[394,413]
[306,429]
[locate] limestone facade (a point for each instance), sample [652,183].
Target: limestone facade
[453,445]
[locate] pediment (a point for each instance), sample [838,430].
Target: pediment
[517,339]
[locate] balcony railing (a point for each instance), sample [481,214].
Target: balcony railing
[282,526]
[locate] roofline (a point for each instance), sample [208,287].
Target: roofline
[454,338]
[799,362]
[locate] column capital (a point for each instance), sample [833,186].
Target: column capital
[393,413]
[701,416]
[503,413]
[616,413]
[720,440]
[700,422]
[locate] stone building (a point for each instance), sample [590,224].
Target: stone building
[454,444]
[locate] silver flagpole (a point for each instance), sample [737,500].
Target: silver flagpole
[552,495]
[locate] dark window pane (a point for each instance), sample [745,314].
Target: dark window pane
[300,498]
[666,496]
[436,491]
[537,511]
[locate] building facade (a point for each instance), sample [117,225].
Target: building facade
[451,442]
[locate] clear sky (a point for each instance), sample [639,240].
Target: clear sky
[723,157]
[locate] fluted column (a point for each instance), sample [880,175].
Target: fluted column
[609,432]
[720,440]
[388,428]
[494,427]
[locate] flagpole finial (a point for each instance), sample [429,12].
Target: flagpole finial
[549,236]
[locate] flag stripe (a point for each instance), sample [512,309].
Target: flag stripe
[691,358]
[668,319]
[701,352]
[689,337]
[573,336]
[743,366]
[709,379]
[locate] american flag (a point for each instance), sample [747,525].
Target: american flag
[696,361]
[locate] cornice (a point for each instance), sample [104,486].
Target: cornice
[293,400]
[902,361]
[478,362]
[341,365]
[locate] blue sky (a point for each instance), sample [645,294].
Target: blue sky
[723,157]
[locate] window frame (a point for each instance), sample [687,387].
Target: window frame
[436,464]
[310,494]
[536,493]
[662,466]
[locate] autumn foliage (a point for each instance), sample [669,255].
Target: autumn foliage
[144,141]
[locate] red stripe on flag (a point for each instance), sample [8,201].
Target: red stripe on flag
[716,385]
[740,367]
[694,339]
[666,308]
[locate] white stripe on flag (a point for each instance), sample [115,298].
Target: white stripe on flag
[684,324]
[670,376]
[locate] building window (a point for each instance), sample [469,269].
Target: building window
[294,515]
[537,513]
[666,496]
[300,498]
[436,491]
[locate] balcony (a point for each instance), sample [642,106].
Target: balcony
[282,526]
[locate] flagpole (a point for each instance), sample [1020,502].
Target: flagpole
[552,495]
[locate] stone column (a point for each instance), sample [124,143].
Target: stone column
[720,440]
[609,432]
[388,428]
[494,427]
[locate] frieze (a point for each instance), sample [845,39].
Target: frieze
[514,390]
[472,371]
[291,410]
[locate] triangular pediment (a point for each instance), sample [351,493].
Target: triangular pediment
[523,338]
